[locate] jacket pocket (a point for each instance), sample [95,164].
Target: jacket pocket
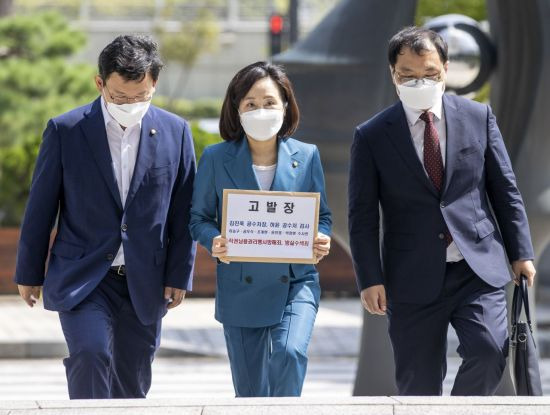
[67,250]
[484,228]
[159,171]
[232,271]
[468,151]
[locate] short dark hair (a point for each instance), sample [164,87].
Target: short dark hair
[230,125]
[132,57]
[415,38]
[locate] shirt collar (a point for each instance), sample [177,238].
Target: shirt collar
[413,115]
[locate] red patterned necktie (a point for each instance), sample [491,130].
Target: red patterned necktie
[433,161]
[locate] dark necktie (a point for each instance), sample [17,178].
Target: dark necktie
[433,161]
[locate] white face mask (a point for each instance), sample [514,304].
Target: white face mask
[420,95]
[128,115]
[262,124]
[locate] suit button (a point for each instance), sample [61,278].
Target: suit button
[443,204]
[124,227]
[110,257]
[284,279]
[248,279]
[441,236]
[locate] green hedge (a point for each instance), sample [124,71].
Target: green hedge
[202,139]
[200,108]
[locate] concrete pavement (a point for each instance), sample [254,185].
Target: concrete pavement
[192,361]
[191,330]
[288,406]
[188,330]
[173,377]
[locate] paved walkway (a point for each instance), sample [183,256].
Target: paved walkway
[191,330]
[174,377]
[289,406]
[192,361]
[188,330]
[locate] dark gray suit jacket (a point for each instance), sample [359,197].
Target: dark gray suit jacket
[386,172]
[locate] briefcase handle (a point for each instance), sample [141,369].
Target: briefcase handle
[521,298]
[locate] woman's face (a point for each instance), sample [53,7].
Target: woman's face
[263,94]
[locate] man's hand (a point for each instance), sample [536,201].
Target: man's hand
[30,294]
[174,295]
[524,268]
[374,299]
[219,248]
[321,246]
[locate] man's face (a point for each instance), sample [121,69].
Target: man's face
[118,90]
[410,66]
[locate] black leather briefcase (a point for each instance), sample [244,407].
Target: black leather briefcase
[525,358]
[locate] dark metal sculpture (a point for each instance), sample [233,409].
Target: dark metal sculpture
[520,87]
[520,91]
[341,78]
[471,52]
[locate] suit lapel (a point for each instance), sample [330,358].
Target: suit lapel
[146,153]
[93,127]
[288,165]
[400,134]
[238,164]
[455,137]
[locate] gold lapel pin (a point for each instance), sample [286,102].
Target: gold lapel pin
[152,132]
[294,164]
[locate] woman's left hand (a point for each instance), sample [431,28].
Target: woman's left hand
[321,246]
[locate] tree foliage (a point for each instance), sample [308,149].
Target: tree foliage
[184,47]
[36,83]
[426,9]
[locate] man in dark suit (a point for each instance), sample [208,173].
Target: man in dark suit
[118,176]
[435,165]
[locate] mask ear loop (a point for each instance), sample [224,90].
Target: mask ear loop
[395,83]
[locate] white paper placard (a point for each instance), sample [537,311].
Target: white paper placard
[264,226]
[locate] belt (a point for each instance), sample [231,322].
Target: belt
[119,270]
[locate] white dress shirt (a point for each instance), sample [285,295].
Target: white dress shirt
[124,145]
[416,126]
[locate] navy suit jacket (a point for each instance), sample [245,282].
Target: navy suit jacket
[253,294]
[74,181]
[387,177]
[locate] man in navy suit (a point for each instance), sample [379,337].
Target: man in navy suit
[118,176]
[436,168]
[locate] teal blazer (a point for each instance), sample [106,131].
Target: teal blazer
[252,294]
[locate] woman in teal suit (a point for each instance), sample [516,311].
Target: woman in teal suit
[267,309]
